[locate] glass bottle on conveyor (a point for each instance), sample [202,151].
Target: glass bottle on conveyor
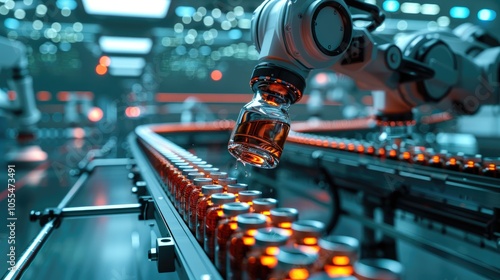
[248,196]
[197,183]
[241,241]
[208,223]
[187,183]
[337,255]
[236,188]
[283,218]
[224,182]
[182,182]
[293,264]
[225,228]
[306,234]
[262,258]
[264,206]
[200,201]
[216,176]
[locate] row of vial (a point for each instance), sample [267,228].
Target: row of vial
[472,164]
[247,236]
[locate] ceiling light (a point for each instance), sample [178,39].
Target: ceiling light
[127,8]
[125,45]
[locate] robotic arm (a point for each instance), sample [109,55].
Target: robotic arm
[13,56]
[456,70]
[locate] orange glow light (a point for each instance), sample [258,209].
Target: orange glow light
[216,75]
[133,112]
[105,61]
[420,157]
[78,133]
[392,153]
[273,251]
[95,114]
[233,226]
[453,161]
[12,95]
[350,147]
[406,155]
[342,145]
[43,96]
[492,167]
[298,273]
[436,159]
[470,163]
[334,145]
[220,213]
[101,69]
[381,151]
[370,150]
[361,148]
[340,260]
[269,261]
[252,232]
[310,240]
[336,271]
[249,241]
[285,225]
[267,213]
[321,78]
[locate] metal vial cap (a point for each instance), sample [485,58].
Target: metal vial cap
[193,175]
[186,171]
[249,195]
[308,228]
[251,221]
[218,175]
[271,236]
[221,198]
[340,244]
[293,256]
[227,181]
[284,215]
[373,269]
[236,188]
[264,204]
[235,208]
[211,189]
[202,181]
[209,171]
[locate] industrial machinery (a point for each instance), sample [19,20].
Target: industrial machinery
[22,108]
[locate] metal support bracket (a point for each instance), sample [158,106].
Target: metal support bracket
[163,254]
[147,208]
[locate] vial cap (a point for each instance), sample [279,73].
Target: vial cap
[235,208]
[203,166]
[186,171]
[218,175]
[236,188]
[251,221]
[325,276]
[284,215]
[208,171]
[227,181]
[202,181]
[211,189]
[198,162]
[193,175]
[307,228]
[372,269]
[264,204]
[271,236]
[249,196]
[221,198]
[341,245]
[290,256]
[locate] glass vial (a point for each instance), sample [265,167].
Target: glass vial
[248,197]
[207,224]
[236,188]
[262,258]
[283,218]
[293,264]
[264,205]
[242,241]
[225,228]
[227,181]
[337,255]
[196,183]
[199,201]
[306,234]
[216,176]
[263,125]
[378,269]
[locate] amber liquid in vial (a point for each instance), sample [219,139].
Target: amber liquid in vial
[267,135]
[225,229]
[191,204]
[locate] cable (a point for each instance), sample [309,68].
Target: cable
[334,193]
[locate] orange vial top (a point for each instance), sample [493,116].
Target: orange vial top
[293,264]
[213,214]
[225,228]
[241,241]
[264,205]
